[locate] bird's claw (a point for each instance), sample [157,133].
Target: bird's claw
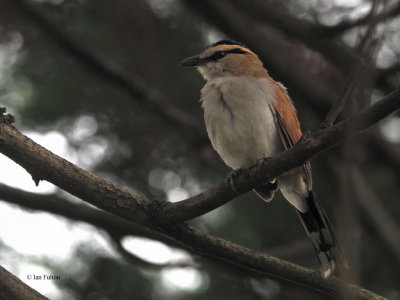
[231,179]
[261,160]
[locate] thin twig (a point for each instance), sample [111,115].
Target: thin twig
[347,25]
[352,80]
[275,14]
[235,23]
[278,59]
[131,83]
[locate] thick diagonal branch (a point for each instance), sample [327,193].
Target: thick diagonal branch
[44,165]
[13,288]
[309,146]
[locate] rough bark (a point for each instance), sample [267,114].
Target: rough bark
[13,288]
[44,165]
[309,146]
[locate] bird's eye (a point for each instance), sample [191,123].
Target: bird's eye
[219,54]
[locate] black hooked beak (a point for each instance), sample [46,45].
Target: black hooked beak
[193,61]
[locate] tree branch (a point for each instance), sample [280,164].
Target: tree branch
[13,288]
[276,15]
[309,146]
[235,23]
[136,260]
[243,257]
[131,83]
[353,79]
[278,59]
[111,223]
[349,24]
[130,206]
[56,204]
[116,227]
[42,164]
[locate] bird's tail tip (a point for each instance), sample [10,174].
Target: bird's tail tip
[326,246]
[333,267]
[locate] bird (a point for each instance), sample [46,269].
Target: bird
[250,116]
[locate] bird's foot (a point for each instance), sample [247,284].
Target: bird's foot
[261,160]
[231,179]
[272,184]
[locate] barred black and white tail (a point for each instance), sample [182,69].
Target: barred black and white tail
[327,248]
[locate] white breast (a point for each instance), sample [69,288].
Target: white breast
[239,119]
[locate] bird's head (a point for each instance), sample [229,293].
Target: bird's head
[226,58]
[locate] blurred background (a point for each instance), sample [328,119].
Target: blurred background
[98,83]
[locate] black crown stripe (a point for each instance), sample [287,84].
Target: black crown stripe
[227,42]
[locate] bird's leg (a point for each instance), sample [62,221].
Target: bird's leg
[231,179]
[272,185]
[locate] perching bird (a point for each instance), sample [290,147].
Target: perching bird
[249,116]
